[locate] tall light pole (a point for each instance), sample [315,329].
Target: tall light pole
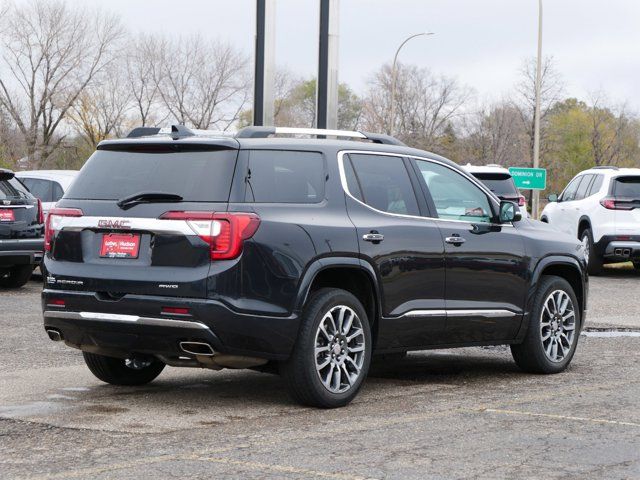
[393,79]
[535,201]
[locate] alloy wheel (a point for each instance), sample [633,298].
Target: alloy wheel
[558,325]
[339,349]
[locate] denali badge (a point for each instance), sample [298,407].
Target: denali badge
[104,223]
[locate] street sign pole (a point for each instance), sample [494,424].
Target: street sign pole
[535,201]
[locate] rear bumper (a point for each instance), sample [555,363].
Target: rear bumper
[134,324]
[613,249]
[21,252]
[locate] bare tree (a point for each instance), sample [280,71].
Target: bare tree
[496,134]
[426,105]
[50,55]
[142,64]
[613,133]
[201,83]
[551,90]
[100,110]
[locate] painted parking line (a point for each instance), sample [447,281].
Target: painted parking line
[561,417]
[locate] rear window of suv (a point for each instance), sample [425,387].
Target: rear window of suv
[197,176]
[499,183]
[628,187]
[278,176]
[10,189]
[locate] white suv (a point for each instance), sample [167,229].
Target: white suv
[498,179]
[601,207]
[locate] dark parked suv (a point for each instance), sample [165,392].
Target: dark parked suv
[310,255]
[21,231]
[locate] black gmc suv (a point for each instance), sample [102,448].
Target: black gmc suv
[310,255]
[21,231]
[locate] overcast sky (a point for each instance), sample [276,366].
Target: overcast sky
[595,43]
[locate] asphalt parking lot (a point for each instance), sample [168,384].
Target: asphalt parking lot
[465,413]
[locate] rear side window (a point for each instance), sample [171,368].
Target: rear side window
[627,187]
[277,176]
[499,183]
[596,185]
[385,184]
[197,176]
[584,187]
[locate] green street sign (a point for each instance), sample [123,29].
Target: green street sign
[529,178]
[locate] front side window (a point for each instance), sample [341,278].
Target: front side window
[278,176]
[455,197]
[384,183]
[569,193]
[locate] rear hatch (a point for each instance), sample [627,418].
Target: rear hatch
[20,212]
[143,218]
[625,200]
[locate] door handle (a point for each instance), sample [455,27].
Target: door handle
[455,240]
[373,237]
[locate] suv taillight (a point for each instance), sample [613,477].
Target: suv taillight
[224,232]
[611,203]
[53,223]
[40,212]
[522,201]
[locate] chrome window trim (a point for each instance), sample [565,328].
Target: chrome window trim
[343,181]
[117,318]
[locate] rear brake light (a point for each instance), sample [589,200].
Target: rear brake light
[613,204]
[224,232]
[522,201]
[53,223]
[40,212]
[175,310]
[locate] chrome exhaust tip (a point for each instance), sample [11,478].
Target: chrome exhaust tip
[54,334]
[618,251]
[197,348]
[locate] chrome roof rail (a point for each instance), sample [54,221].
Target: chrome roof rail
[265,132]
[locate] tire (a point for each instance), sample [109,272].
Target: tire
[531,355]
[594,265]
[116,372]
[17,276]
[303,372]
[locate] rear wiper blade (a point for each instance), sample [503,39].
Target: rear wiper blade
[147,197]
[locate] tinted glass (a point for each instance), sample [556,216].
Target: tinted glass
[596,184]
[584,187]
[57,191]
[195,176]
[499,183]
[385,183]
[10,189]
[627,187]
[352,180]
[285,177]
[39,188]
[570,192]
[454,196]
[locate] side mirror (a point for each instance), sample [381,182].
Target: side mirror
[509,212]
[553,197]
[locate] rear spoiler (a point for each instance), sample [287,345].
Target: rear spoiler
[6,174]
